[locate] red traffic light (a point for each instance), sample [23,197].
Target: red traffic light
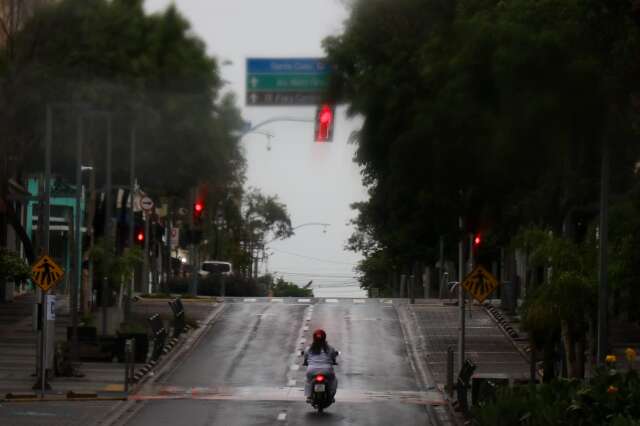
[140,236]
[198,207]
[477,240]
[324,123]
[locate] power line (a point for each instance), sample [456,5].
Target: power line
[314,275]
[317,259]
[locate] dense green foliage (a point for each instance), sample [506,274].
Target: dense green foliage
[282,288]
[12,266]
[494,111]
[611,398]
[150,71]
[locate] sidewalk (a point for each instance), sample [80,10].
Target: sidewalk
[18,343]
[487,346]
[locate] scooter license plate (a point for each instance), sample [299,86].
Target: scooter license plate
[319,387]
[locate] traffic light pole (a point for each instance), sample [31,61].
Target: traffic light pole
[132,220]
[193,287]
[145,259]
[461,299]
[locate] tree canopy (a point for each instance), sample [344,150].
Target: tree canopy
[149,71]
[493,111]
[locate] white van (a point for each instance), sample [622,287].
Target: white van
[215,267]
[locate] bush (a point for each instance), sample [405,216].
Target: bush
[235,286]
[285,289]
[610,398]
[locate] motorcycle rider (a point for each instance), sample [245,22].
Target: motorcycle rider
[320,358]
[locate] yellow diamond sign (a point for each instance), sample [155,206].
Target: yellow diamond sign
[480,283]
[46,273]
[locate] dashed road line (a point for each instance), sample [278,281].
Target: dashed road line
[358,301]
[250,300]
[282,416]
[331,300]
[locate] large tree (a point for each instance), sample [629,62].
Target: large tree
[494,111]
[149,71]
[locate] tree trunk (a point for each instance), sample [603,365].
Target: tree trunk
[548,360]
[569,348]
[580,359]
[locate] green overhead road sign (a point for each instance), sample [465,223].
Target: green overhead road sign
[288,81]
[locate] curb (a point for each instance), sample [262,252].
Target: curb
[128,408]
[506,328]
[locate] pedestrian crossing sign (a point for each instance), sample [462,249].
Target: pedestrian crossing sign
[480,283]
[46,273]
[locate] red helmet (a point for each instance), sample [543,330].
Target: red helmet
[319,336]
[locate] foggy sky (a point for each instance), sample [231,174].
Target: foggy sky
[317,182]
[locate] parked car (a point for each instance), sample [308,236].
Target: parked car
[209,267]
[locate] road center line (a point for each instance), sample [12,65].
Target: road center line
[282,416]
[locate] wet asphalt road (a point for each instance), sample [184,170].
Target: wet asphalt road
[247,370]
[56,413]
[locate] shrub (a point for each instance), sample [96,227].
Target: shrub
[611,397]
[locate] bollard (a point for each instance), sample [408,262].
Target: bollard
[129,362]
[462,386]
[159,336]
[449,387]
[178,317]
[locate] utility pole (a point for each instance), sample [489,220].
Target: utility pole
[77,283]
[45,205]
[603,230]
[107,197]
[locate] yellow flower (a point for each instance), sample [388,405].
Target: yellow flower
[612,389]
[610,358]
[630,353]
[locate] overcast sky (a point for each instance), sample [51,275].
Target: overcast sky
[317,182]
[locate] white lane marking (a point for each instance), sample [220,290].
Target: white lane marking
[331,300]
[306,328]
[250,300]
[304,300]
[388,301]
[295,367]
[358,301]
[277,300]
[292,382]
[303,340]
[282,417]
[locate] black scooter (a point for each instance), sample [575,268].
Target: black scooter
[320,396]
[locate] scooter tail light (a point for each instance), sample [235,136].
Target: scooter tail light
[319,378]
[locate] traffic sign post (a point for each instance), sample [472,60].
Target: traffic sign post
[46,274]
[480,284]
[146,203]
[286,81]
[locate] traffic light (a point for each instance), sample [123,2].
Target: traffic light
[325,117]
[198,210]
[138,235]
[477,240]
